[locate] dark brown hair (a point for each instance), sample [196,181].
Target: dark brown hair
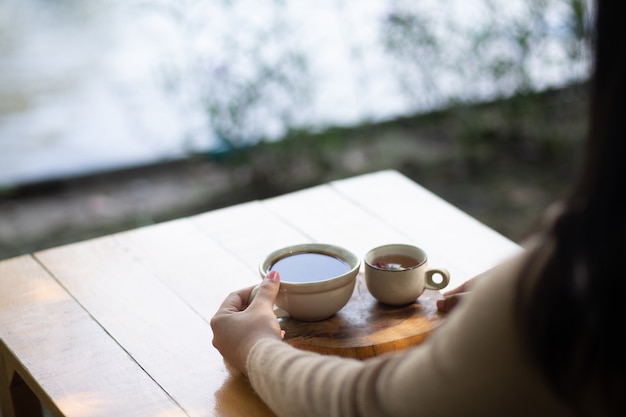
[571,310]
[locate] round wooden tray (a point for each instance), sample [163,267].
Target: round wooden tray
[365,327]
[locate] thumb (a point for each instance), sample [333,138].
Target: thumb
[266,291]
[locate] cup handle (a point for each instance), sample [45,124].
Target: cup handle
[280,313]
[445,278]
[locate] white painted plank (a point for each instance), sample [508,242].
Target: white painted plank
[249,231]
[78,368]
[170,340]
[432,222]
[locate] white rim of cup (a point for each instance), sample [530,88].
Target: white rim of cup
[389,245]
[324,248]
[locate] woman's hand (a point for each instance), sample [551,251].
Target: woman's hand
[237,326]
[451,298]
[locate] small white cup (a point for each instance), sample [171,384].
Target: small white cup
[397,274]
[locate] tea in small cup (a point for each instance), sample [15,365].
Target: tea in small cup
[316,279]
[397,274]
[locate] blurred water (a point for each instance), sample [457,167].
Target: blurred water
[104,84]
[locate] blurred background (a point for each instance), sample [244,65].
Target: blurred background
[117,114]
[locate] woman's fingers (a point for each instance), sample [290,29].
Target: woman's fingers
[448,303]
[235,301]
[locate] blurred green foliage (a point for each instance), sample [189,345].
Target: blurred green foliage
[440,61]
[499,55]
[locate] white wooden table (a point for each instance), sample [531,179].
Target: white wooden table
[119,325]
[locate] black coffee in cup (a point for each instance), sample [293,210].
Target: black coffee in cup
[309,267]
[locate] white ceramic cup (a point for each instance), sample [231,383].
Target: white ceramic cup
[397,274]
[311,297]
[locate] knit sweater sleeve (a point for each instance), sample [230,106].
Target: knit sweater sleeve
[473,365]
